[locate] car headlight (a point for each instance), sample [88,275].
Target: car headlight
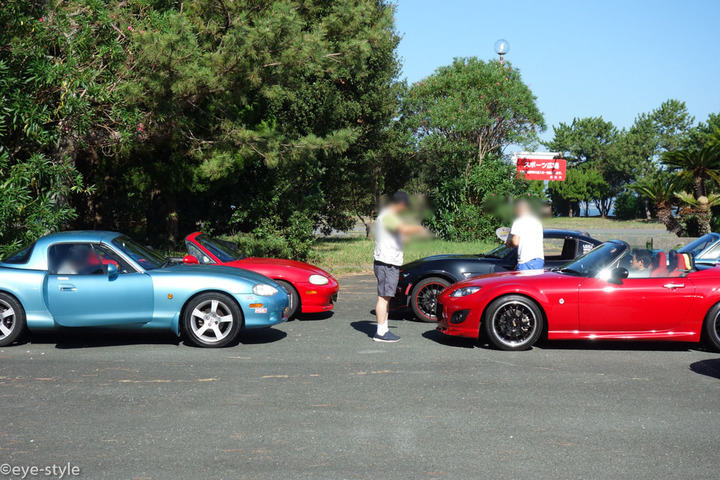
[318,280]
[465,291]
[264,290]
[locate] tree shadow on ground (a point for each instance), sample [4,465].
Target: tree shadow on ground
[709,367]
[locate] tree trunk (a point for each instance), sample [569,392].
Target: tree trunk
[699,187]
[668,219]
[172,226]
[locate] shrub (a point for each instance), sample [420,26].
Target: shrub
[628,206]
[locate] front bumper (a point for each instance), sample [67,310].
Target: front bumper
[273,309]
[450,310]
[318,298]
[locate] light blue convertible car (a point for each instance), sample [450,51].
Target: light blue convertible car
[105,279]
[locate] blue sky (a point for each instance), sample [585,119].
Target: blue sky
[581,58]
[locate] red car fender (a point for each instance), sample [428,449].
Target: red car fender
[559,306]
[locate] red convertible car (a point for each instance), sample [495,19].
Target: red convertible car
[311,289]
[612,292]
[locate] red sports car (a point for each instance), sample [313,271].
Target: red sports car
[311,289]
[612,292]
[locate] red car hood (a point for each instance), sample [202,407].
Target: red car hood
[258,262]
[504,277]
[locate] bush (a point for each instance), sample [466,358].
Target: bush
[628,206]
[474,211]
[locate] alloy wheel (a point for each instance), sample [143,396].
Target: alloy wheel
[212,321]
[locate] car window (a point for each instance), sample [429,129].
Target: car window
[559,248]
[74,259]
[500,251]
[697,246]
[220,249]
[145,257]
[20,257]
[585,247]
[711,255]
[108,256]
[199,254]
[595,261]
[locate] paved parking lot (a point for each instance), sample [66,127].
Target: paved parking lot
[316,398]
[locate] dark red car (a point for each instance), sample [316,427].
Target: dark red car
[311,289]
[602,295]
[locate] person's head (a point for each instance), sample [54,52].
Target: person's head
[399,201]
[522,207]
[640,261]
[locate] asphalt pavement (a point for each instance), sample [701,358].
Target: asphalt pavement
[317,399]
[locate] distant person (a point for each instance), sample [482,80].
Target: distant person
[526,234]
[640,265]
[388,256]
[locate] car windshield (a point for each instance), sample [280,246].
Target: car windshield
[697,246]
[596,260]
[219,248]
[141,254]
[500,251]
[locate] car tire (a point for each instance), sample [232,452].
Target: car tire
[423,298]
[13,322]
[711,327]
[212,320]
[294,306]
[513,322]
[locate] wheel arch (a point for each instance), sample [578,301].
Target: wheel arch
[203,292]
[298,310]
[537,303]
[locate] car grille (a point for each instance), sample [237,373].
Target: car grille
[333,297]
[438,311]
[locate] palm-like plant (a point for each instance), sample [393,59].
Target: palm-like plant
[696,165]
[662,192]
[700,207]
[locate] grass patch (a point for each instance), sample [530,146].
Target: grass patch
[584,223]
[339,255]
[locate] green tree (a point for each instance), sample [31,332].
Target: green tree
[696,165]
[592,143]
[468,109]
[661,191]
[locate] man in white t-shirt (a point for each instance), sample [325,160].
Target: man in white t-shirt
[388,258]
[526,234]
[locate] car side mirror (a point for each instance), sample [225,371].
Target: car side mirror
[190,260]
[112,271]
[619,274]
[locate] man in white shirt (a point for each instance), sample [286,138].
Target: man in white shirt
[526,234]
[388,257]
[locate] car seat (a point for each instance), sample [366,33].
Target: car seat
[685,265]
[661,269]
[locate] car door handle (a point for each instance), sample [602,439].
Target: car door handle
[66,287]
[673,286]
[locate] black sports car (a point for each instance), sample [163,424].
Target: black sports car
[422,280]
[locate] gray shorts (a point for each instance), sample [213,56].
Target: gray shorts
[387,277]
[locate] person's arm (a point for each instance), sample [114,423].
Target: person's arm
[513,239]
[393,224]
[410,229]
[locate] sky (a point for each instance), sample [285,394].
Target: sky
[613,59]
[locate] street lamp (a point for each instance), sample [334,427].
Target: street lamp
[501,48]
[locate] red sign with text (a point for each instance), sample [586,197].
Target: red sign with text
[542,169]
